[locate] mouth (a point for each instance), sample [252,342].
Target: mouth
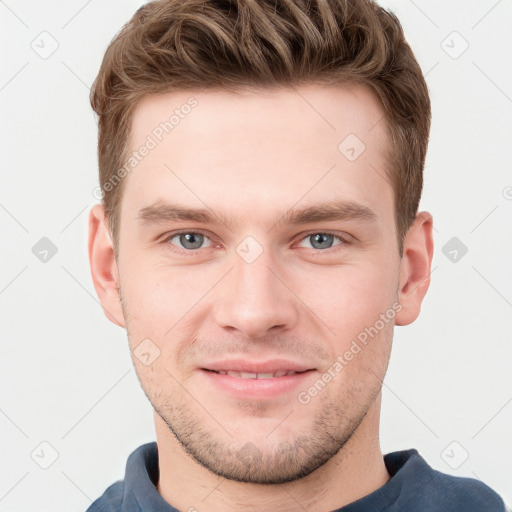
[251,375]
[252,380]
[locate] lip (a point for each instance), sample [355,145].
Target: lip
[269,366]
[251,388]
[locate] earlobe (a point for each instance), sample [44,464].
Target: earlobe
[103,265]
[415,268]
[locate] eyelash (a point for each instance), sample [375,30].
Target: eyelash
[193,252]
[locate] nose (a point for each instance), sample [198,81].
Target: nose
[255,298]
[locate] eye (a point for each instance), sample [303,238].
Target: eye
[193,241]
[322,241]
[188,240]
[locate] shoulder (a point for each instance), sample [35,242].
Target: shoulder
[140,474]
[460,493]
[111,500]
[434,490]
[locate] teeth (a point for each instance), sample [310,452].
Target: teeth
[248,375]
[245,375]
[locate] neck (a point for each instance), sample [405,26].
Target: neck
[354,472]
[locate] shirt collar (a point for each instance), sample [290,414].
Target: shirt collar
[406,468]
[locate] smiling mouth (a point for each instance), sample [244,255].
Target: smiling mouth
[252,381]
[249,375]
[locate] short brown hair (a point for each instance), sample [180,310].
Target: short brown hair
[228,44]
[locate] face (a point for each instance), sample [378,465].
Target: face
[289,273]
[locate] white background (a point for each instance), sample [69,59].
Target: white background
[67,378]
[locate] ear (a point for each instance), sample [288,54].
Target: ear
[103,265]
[415,268]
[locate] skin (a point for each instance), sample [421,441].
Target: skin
[253,156]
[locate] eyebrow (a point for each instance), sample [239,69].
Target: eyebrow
[340,210]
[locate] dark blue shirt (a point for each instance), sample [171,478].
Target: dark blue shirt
[413,486]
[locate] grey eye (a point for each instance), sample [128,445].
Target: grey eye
[321,240]
[190,240]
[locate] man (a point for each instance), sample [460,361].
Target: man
[259,238]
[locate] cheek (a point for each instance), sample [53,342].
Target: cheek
[363,360]
[157,297]
[160,303]
[348,298]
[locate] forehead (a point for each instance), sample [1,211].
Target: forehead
[329,111]
[255,149]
